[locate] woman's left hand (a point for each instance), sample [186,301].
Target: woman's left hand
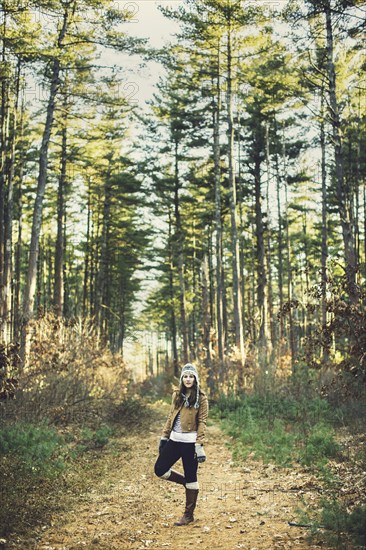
[199,454]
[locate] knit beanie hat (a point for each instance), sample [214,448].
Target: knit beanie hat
[191,369]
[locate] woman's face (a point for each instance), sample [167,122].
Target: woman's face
[188,380]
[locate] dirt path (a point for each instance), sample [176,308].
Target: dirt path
[129,508]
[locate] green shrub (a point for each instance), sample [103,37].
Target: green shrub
[279,428]
[273,444]
[226,404]
[341,524]
[269,406]
[91,439]
[102,435]
[319,446]
[34,448]
[356,524]
[351,413]
[31,457]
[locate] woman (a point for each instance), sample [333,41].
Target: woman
[183,438]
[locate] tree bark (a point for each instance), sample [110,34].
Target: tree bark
[271,331]
[192,322]
[58,298]
[19,246]
[237,301]
[218,224]
[101,291]
[206,319]
[30,287]
[364,229]
[172,300]
[4,119]
[342,193]
[324,243]
[180,258]
[6,284]
[87,254]
[280,250]
[260,248]
[289,290]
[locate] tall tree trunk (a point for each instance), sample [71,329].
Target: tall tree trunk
[289,287]
[122,324]
[305,292]
[211,286]
[324,244]
[240,200]
[272,342]
[30,287]
[94,255]
[291,329]
[18,247]
[260,249]
[48,271]
[58,298]
[87,253]
[192,324]
[357,192]
[102,284]
[225,317]
[218,225]
[364,229]
[173,320]
[4,121]
[280,252]
[70,303]
[343,198]
[237,301]
[180,258]
[206,319]
[6,284]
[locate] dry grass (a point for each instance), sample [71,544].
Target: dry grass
[69,374]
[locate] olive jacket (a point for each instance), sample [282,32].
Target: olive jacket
[192,420]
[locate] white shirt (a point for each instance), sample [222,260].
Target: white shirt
[182,437]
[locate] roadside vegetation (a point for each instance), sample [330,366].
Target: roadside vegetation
[71,403]
[293,425]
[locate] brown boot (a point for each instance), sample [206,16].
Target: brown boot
[191,500]
[176,478]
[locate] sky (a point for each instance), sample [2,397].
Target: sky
[147,22]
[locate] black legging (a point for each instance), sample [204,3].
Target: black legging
[173,451]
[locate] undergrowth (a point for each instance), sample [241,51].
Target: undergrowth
[39,463]
[71,400]
[335,524]
[279,428]
[293,424]
[31,459]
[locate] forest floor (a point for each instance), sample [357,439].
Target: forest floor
[122,505]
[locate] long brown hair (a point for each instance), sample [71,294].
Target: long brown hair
[179,399]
